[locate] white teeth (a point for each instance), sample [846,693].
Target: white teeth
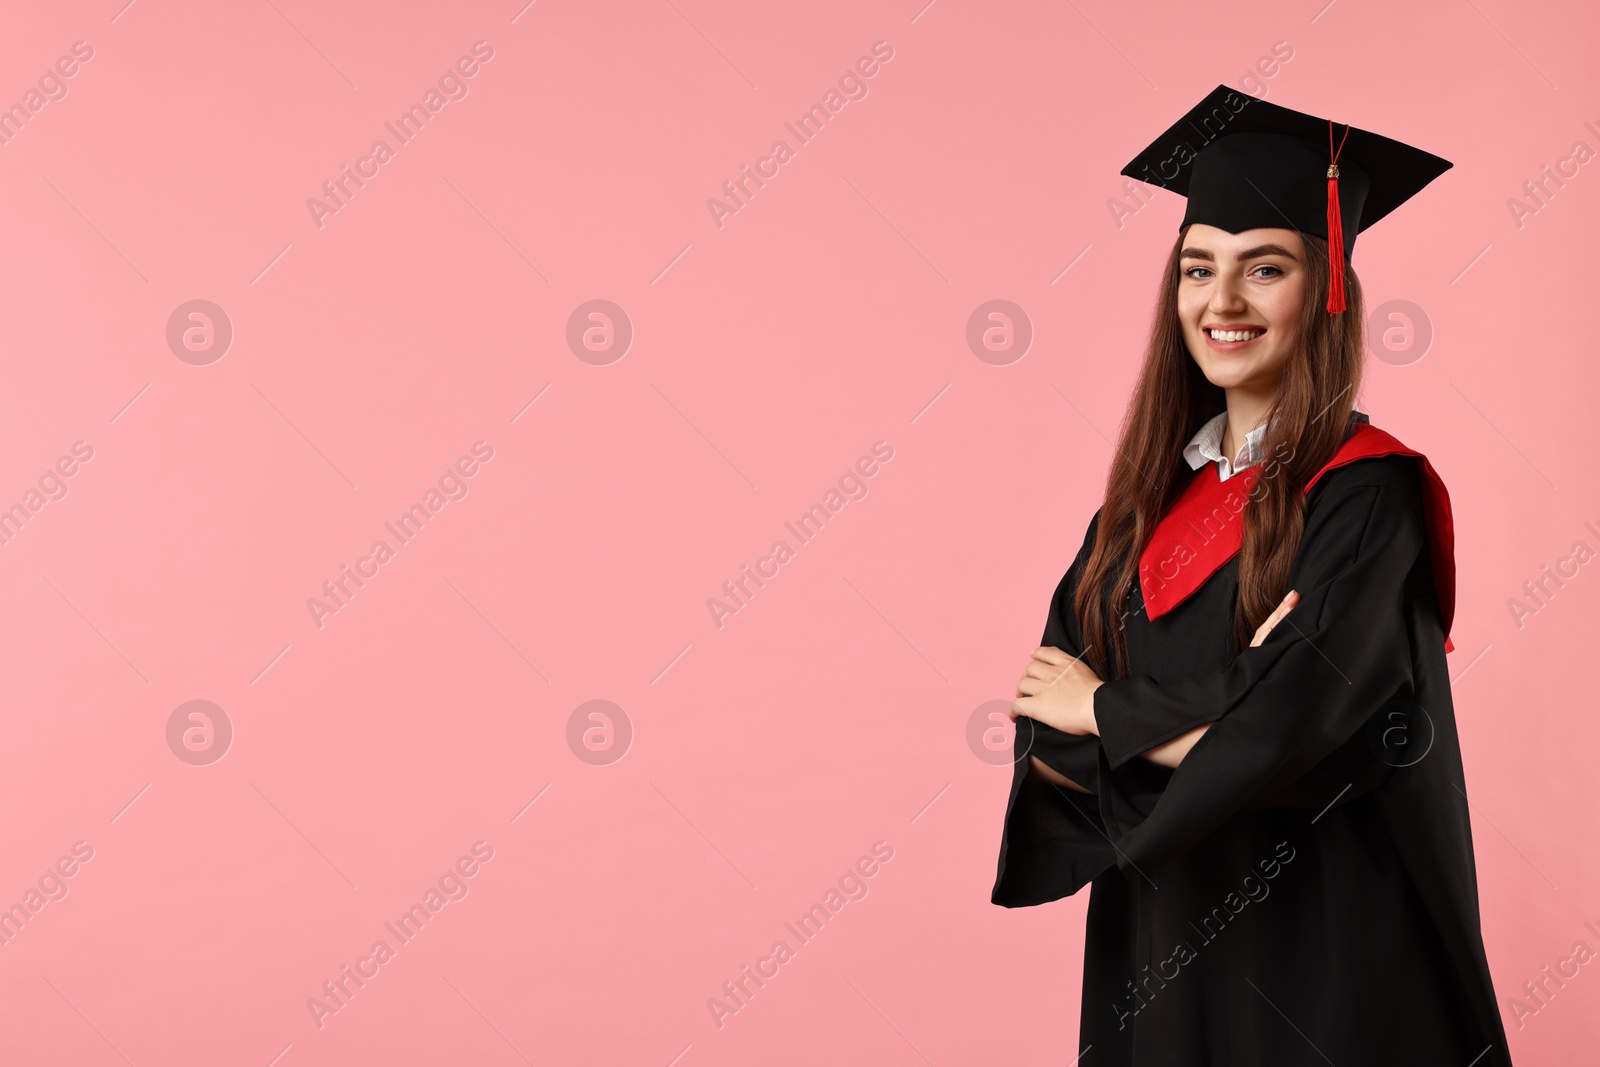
[1234,335]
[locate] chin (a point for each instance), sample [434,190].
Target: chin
[1224,381]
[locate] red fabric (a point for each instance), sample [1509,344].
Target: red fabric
[1204,528]
[1335,226]
[1335,250]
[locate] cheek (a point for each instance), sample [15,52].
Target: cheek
[1285,306]
[1191,305]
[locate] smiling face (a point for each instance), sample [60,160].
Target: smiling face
[1240,297]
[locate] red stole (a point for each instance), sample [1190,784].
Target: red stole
[1204,528]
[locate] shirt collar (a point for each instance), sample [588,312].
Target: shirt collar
[1206,446]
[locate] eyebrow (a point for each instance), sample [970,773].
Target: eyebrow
[1249,253]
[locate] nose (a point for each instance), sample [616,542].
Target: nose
[1227,295]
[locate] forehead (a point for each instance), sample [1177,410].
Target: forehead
[1220,242]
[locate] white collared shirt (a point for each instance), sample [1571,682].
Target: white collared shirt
[1206,444]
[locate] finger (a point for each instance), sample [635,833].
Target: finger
[1266,627]
[1037,669]
[1078,668]
[1285,606]
[1049,654]
[1057,666]
[1062,673]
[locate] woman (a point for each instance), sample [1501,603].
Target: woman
[1239,728]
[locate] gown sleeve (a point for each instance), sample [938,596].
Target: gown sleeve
[1297,700]
[1054,841]
[1077,756]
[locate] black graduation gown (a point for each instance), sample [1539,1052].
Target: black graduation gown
[1302,888]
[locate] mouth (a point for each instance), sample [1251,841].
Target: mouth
[1232,338]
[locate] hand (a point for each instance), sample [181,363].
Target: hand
[1285,606]
[1058,690]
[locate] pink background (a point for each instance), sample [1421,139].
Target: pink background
[768,354]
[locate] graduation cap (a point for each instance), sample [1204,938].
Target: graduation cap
[1244,163]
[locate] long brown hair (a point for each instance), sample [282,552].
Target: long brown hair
[1308,420]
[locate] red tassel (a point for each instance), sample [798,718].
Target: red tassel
[1335,227]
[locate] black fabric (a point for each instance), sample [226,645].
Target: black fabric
[1248,180]
[1362,945]
[1245,163]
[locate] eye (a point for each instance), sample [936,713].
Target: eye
[1190,273]
[1276,272]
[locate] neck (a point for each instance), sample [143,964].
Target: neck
[1246,411]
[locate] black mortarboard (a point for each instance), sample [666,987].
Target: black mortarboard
[1244,163]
